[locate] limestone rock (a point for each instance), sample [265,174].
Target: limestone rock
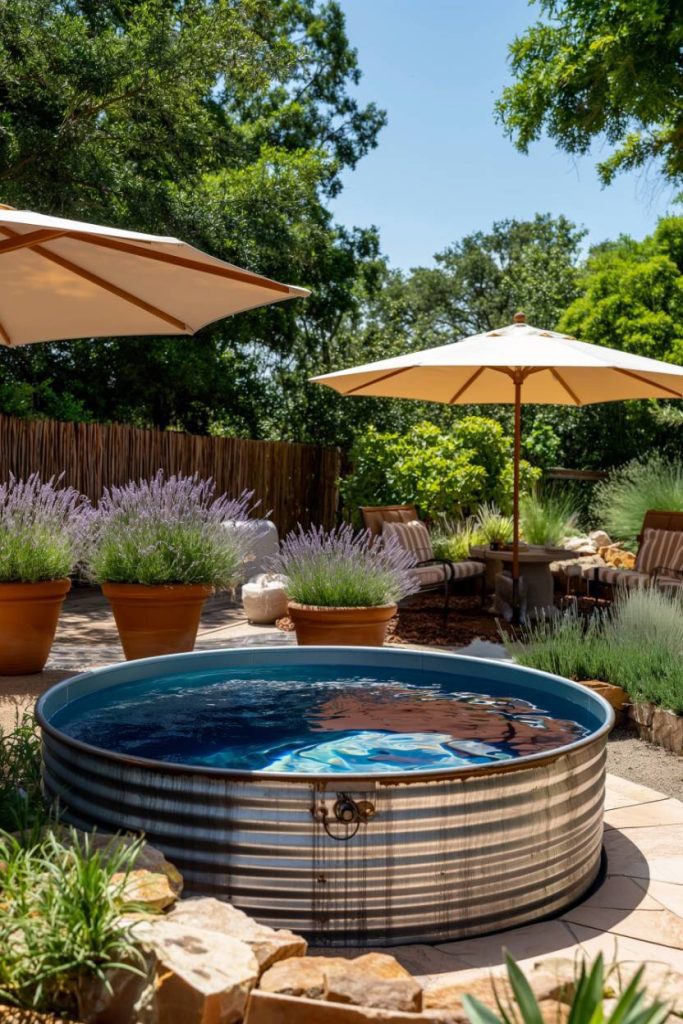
[600,539]
[267,944]
[271,1008]
[199,976]
[379,965]
[667,730]
[150,890]
[553,1012]
[579,543]
[614,554]
[11,1015]
[149,858]
[307,976]
[446,991]
[356,985]
[300,976]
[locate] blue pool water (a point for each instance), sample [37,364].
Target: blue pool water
[301,718]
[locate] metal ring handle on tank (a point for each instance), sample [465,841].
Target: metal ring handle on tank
[347,812]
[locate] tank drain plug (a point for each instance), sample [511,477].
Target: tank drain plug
[347,811]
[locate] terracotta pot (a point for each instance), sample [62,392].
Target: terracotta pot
[28,620]
[156,620]
[364,627]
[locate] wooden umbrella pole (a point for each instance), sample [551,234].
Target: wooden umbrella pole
[515,501]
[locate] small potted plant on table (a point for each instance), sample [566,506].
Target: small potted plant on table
[343,586]
[41,529]
[159,548]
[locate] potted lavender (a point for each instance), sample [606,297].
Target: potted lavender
[41,532]
[343,586]
[159,548]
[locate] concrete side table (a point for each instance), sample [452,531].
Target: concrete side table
[264,598]
[534,569]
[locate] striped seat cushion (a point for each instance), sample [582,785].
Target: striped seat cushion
[413,536]
[617,577]
[465,570]
[430,575]
[660,548]
[670,583]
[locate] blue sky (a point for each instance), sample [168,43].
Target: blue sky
[443,166]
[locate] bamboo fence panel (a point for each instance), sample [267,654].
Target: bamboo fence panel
[296,483]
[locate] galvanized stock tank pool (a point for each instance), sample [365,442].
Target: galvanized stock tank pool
[359,795]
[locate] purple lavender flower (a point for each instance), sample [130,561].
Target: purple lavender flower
[342,569]
[42,529]
[167,531]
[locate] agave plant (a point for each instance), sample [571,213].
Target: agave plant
[587,1006]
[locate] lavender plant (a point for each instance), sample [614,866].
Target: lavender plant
[168,531]
[42,529]
[342,569]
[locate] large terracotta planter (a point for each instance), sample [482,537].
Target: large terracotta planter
[364,627]
[28,620]
[156,620]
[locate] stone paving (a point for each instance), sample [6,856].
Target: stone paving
[635,916]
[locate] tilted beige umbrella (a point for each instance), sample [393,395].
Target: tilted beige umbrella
[67,279]
[515,364]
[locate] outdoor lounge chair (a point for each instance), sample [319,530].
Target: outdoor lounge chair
[403,523]
[659,561]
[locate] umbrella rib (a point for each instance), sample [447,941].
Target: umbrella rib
[470,380]
[100,282]
[646,380]
[564,384]
[181,261]
[29,240]
[377,380]
[5,336]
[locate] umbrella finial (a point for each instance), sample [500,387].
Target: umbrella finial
[519,317]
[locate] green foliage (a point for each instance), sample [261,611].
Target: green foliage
[442,472]
[621,501]
[343,569]
[591,988]
[22,807]
[600,69]
[637,644]
[453,538]
[493,526]
[546,517]
[60,923]
[225,122]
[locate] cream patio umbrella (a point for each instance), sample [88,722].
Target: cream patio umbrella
[513,364]
[64,279]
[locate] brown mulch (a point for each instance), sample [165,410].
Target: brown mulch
[422,622]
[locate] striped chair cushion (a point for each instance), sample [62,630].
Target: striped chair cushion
[660,548]
[617,577]
[430,575]
[413,536]
[465,570]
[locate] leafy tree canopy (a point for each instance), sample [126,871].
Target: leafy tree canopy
[601,69]
[226,122]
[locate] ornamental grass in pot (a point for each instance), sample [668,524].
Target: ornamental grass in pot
[159,548]
[41,533]
[343,586]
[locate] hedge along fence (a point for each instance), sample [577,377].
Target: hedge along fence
[298,482]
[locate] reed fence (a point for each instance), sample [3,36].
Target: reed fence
[296,482]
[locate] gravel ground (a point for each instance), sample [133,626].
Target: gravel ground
[644,763]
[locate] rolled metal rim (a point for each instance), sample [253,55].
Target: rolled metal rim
[372,653]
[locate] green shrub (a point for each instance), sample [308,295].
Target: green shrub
[22,807]
[636,644]
[342,569]
[621,501]
[453,538]
[60,923]
[590,989]
[546,518]
[443,473]
[493,526]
